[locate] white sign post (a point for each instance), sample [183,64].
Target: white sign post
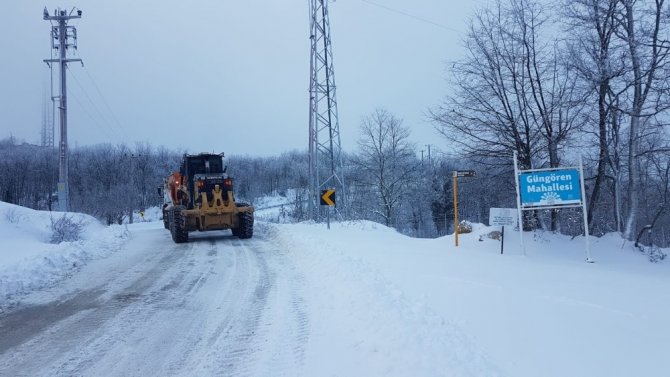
[551,189]
[502,217]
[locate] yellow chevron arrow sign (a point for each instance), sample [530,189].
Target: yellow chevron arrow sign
[328,197]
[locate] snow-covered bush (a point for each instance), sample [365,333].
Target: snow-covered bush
[653,252]
[66,229]
[464,227]
[494,235]
[12,216]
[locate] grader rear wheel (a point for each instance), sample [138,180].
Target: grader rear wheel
[246,229]
[166,218]
[178,225]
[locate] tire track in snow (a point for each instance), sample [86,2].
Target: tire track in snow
[163,327]
[214,306]
[40,334]
[285,321]
[232,343]
[267,332]
[283,324]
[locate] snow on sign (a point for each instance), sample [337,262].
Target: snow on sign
[552,187]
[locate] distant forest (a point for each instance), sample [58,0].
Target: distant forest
[549,81]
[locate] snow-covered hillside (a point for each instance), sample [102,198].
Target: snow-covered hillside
[376,302]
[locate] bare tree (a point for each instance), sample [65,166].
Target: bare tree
[644,29]
[385,164]
[27,174]
[513,92]
[555,102]
[596,60]
[488,117]
[656,184]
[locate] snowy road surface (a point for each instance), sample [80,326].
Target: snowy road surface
[299,300]
[273,305]
[214,306]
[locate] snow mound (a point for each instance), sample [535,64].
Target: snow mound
[388,304]
[380,331]
[274,209]
[28,261]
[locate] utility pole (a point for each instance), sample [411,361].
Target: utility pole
[61,34]
[325,151]
[430,161]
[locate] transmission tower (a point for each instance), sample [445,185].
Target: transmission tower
[63,39]
[325,151]
[47,133]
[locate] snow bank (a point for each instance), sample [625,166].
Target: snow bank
[28,261]
[409,303]
[362,323]
[274,209]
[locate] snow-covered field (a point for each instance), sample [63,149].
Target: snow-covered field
[372,302]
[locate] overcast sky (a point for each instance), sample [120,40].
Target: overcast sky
[231,76]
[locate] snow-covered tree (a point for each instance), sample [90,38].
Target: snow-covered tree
[386,165]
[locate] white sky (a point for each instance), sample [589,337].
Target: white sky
[232,76]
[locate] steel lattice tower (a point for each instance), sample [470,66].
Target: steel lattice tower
[325,151]
[47,133]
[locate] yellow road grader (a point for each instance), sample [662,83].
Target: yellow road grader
[200,197]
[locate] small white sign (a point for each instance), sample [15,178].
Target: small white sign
[503,217]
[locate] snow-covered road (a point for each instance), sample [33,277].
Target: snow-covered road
[214,306]
[300,300]
[127,301]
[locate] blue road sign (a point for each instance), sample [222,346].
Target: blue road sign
[550,188]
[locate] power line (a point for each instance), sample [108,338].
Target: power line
[97,110]
[89,115]
[415,17]
[105,102]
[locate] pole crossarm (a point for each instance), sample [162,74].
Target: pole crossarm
[64,61]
